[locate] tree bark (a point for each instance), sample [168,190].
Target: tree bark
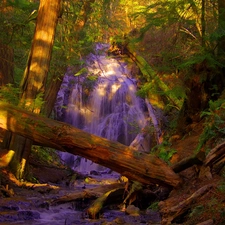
[6,65]
[189,162]
[221,28]
[95,192]
[35,77]
[125,160]
[96,207]
[216,158]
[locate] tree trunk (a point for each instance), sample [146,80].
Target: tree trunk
[35,76]
[6,77]
[125,160]
[216,158]
[51,94]
[6,65]
[221,28]
[203,23]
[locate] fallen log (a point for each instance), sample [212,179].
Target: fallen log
[95,209]
[145,168]
[5,157]
[171,213]
[87,193]
[188,162]
[216,158]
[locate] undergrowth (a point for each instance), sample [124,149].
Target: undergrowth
[214,127]
[46,156]
[164,151]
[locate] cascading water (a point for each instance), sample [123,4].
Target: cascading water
[103,102]
[108,107]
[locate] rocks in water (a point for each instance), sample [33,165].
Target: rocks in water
[8,208]
[28,215]
[19,216]
[119,220]
[132,210]
[94,172]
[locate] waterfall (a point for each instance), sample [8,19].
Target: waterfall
[103,102]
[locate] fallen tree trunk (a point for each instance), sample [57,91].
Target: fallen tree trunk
[189,162]
[95,209]
[216,158]
[87,193]
[125,160]
[171,213]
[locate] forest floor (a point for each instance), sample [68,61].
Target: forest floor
[208,207]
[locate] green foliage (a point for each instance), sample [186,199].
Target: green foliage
[165,154]
[155,85]
[199,209]
[38,101]
[163,151]
[16,31]
[88,85]
[45,155]
[214,122]
[154,206]
[20,4]
[10,94]
[81,72]
[221,187]
[206,58]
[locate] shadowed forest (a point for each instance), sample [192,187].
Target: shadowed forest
[174,51]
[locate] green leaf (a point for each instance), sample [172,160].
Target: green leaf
[81,72]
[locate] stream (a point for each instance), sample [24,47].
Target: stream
[33,207]
[100,100]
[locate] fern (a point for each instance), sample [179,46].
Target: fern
[164,152]
[10,94]
[214,122]
[154,206]
[38,102]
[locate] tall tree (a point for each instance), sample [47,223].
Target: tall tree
[6,64]
[221,28]
[35,76]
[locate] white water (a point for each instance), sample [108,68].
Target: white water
[111,110]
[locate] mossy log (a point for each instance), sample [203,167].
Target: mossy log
[95,209]
[145,168]
[151,75]
[5,157]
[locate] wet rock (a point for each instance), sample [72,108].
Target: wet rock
[94,172]
[44,205]
[8,208]
[28,215]
[119,220]
[153,216]
[18,216]
[132,210]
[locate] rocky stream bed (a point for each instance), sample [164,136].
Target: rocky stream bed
[40,204]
